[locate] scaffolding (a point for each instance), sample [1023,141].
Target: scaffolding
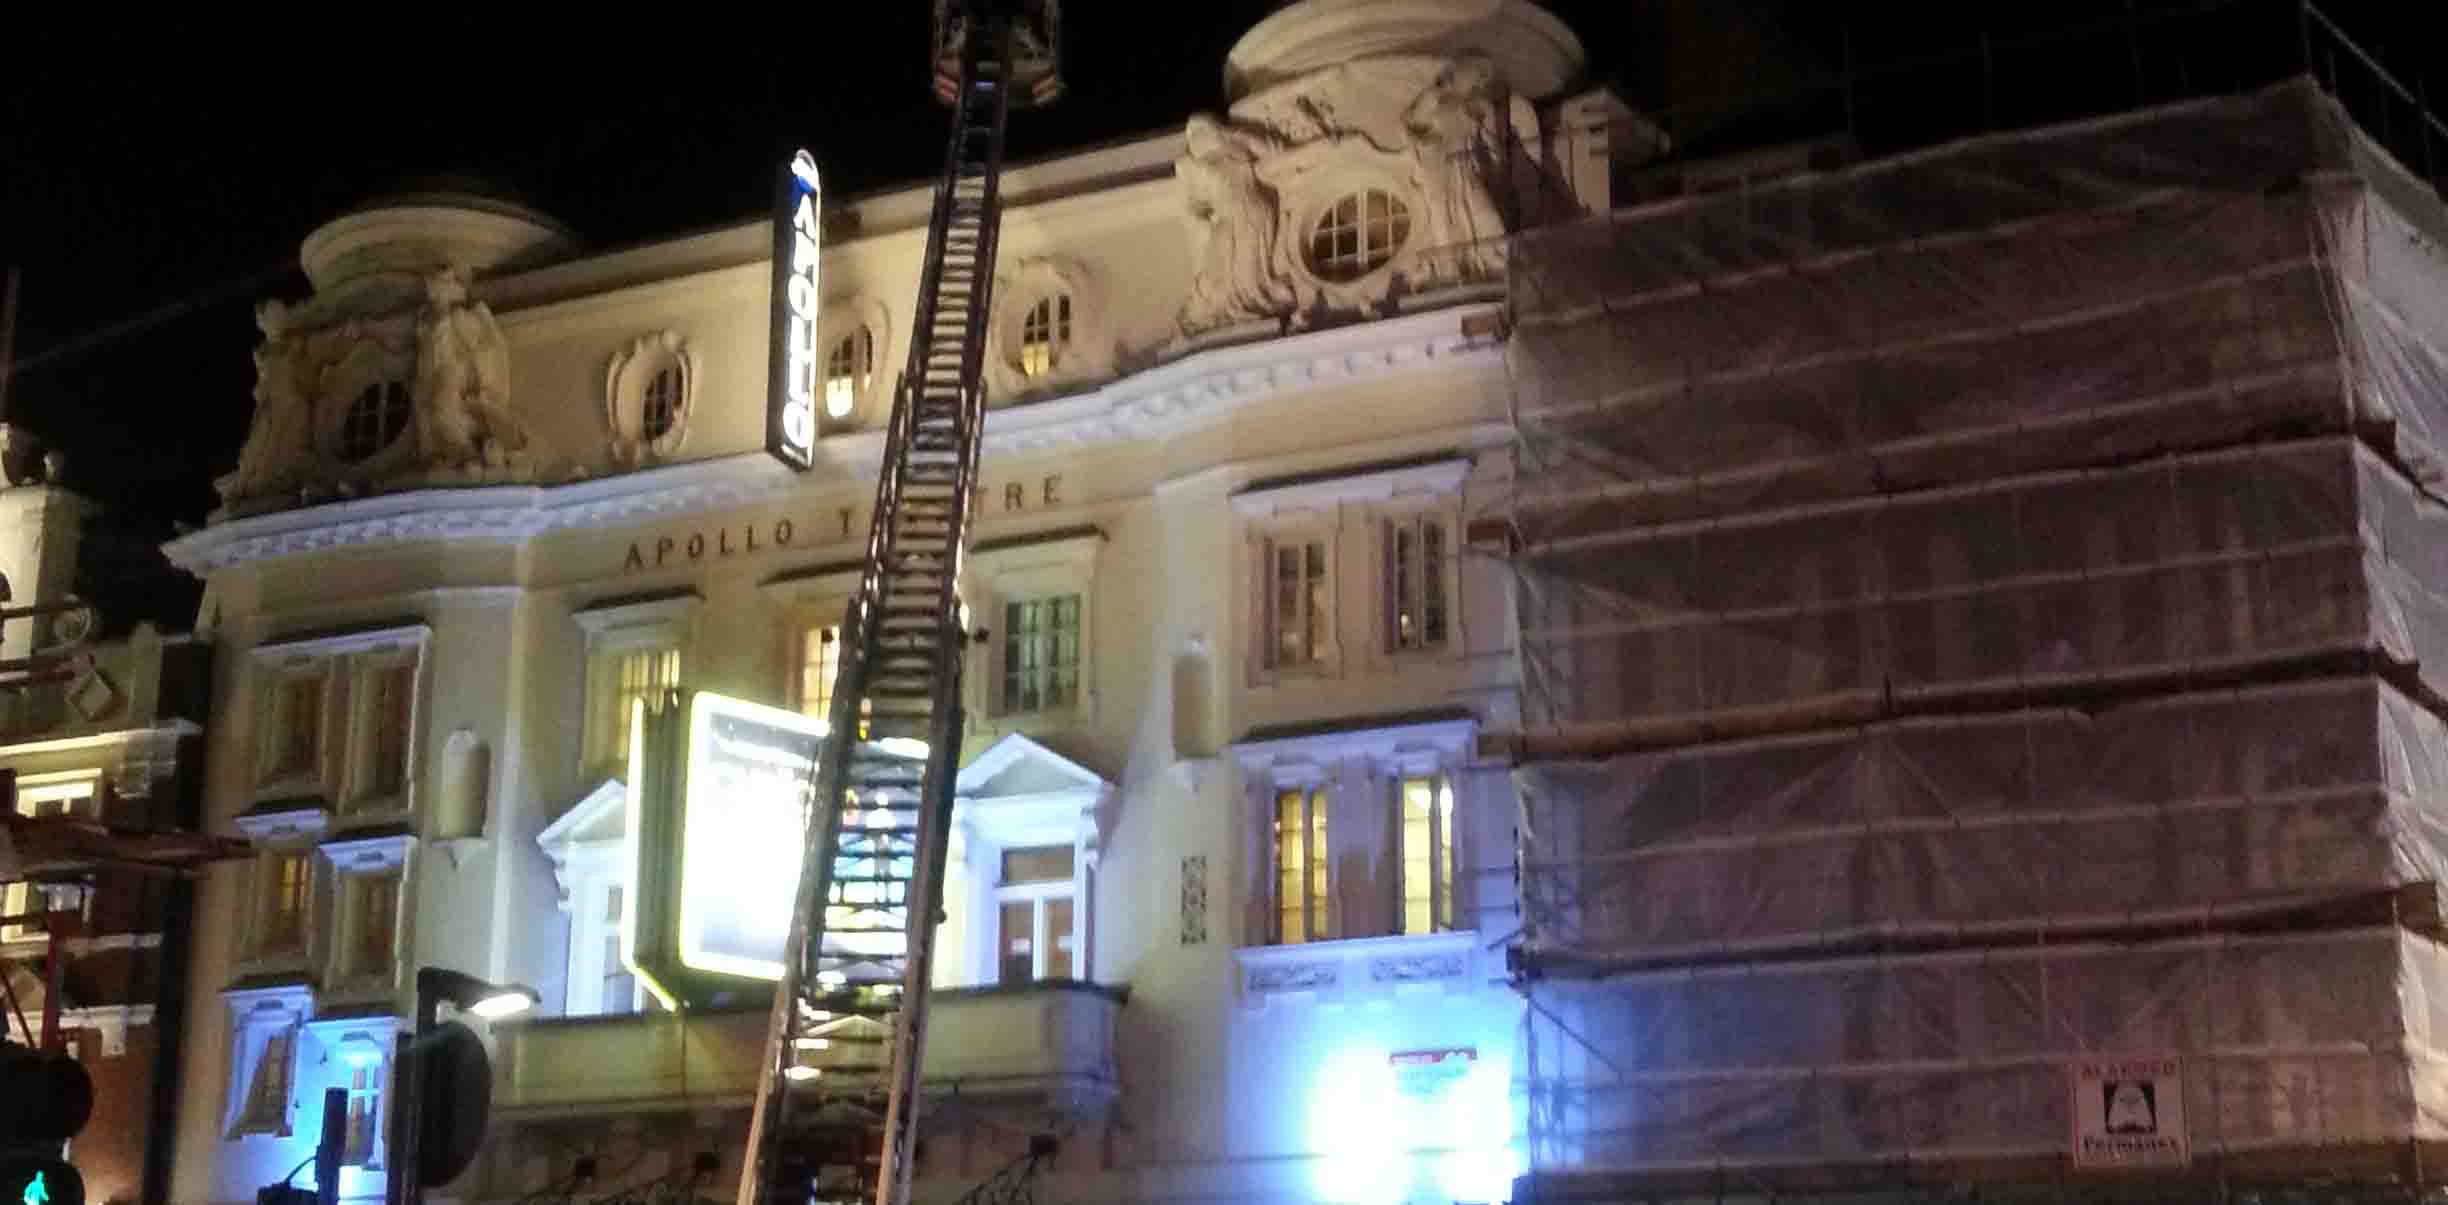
[1979,610]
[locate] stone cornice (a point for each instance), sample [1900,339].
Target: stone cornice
[1198,388]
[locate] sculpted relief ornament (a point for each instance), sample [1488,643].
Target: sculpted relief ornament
[352,397]
[462,394]
[1350,188]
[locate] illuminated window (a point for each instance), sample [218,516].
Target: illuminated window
[1037,935]
[365,1062]
[1415,583]
[820,653]
[660,411]
[849,371]
[1357,235]
[375,418]
[1427,854]
[73,794]
[819,668]
[622,679]
[1302,890]
[286,883]
[18,899]
[1041,654]
[1044,332]
[1297,607]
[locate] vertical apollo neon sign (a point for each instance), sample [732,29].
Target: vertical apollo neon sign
[790,418]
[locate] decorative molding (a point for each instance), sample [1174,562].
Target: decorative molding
[1293,977]
[631,371]
[665,615]
[301,824]
[1087,356]
[111,1021]
[1358,968]
[1441,477]
[1204,386]
[1194,900]
[1396,745]
[1418,968]
[354,640]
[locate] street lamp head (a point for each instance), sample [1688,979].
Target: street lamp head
[491,1001]
[504,1004]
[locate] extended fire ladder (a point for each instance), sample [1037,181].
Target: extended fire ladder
[837,1097]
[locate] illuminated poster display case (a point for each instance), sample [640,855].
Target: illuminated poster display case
[720,792]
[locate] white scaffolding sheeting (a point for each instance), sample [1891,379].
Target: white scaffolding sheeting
[2329,1038]
[1927,565]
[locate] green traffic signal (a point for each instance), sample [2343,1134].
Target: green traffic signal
[40,1180]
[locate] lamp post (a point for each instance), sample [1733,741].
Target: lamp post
[434,988]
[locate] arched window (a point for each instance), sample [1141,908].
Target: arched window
[1044,332]
[1357,235]
[849,370]
[377,416]
[661,411]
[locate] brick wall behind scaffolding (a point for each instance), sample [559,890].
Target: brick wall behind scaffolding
[2029,541]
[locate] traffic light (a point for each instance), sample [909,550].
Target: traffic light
[45,1098]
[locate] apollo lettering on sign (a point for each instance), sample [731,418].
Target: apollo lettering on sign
[2129,1112]
[790,421]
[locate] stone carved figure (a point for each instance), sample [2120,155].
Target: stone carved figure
[280,441]
[1460,140]
[463,381]
[1231,217]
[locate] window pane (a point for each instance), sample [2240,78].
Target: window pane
[819,666]
[1418,857]
[377,924]
[1432,582]
[1061,959]
[1445,856]
[1291,866]
[1321,918]
[301,724]
[1019,932]
[1037,864]
[1316,602]
[392,694]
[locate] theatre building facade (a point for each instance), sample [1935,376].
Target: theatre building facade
[1230,880]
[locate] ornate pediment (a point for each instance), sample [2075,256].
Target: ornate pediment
[373,391]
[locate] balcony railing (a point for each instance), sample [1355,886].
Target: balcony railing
[1047,1045]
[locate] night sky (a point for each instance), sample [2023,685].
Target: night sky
[176,161]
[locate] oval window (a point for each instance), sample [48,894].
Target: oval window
[1044,332]
[376,418]
[1357,235]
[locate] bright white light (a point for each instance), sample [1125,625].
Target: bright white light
[831,978]
[813,1044]
[750,775]
[801,1073]
[360,1054]
[507,1004]
[1381,1138]
[903,746]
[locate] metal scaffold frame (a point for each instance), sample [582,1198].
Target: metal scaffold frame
[1977,610]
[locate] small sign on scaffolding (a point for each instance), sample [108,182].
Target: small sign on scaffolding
[1430,1072]
[2129,1113]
